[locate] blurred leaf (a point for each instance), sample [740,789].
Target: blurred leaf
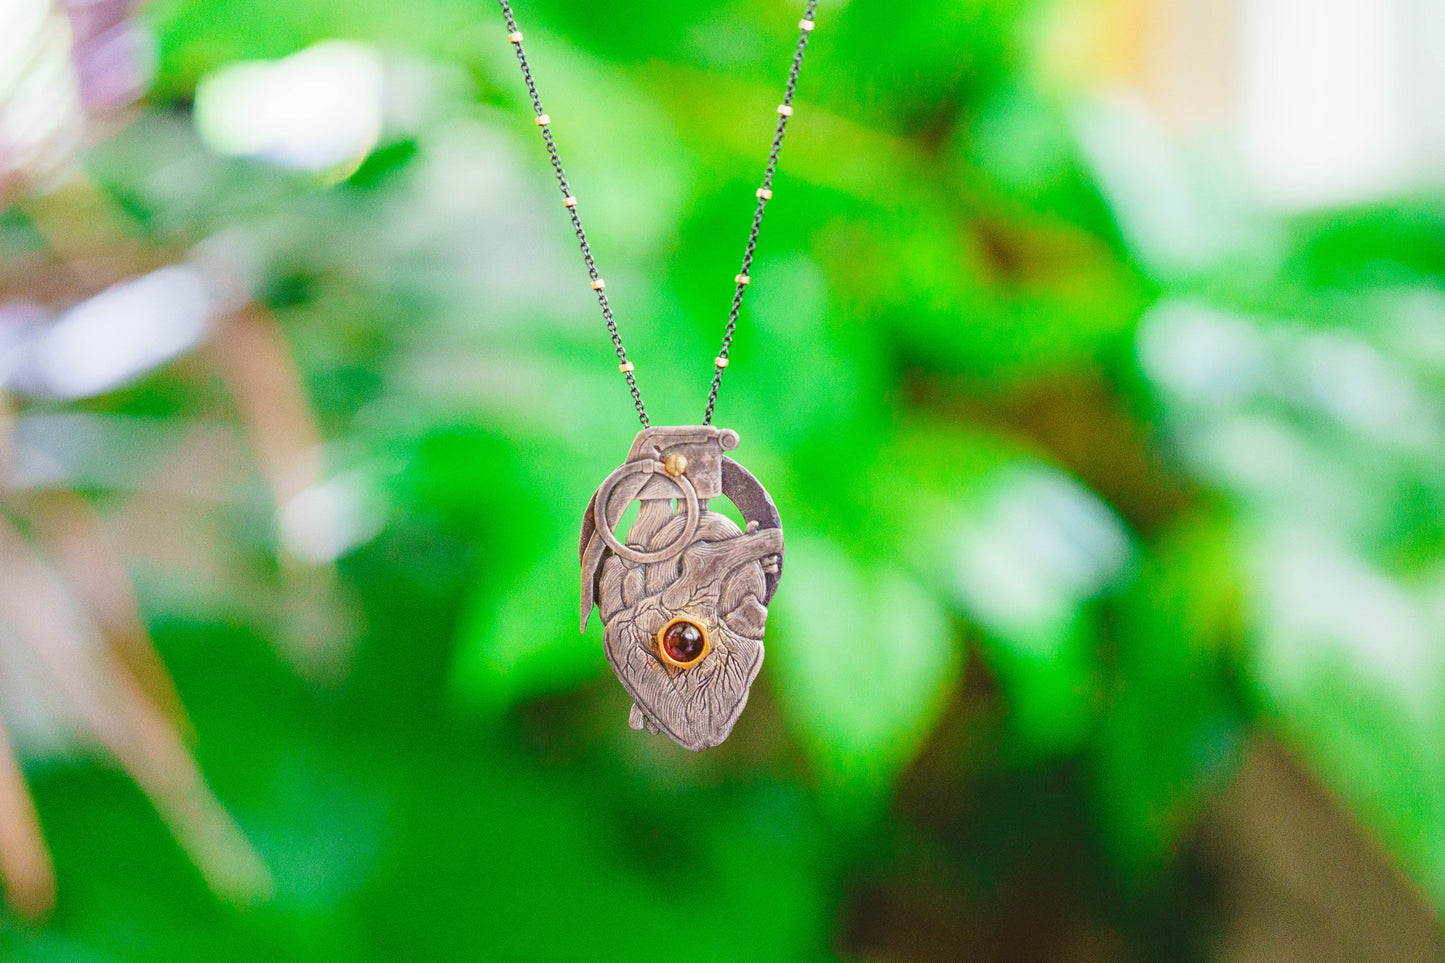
[1021,146]
[520,639]
[1172,727]
[1379,246]
[1020,550]
[938,55]
[865,664]
[198,35]
[1352,662]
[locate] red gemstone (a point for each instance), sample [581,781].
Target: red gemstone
[683,642]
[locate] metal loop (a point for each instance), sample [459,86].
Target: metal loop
[604,525]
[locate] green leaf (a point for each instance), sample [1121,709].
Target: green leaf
[519,639]
[1350,660]
[864,662]
[1172,727]
[1019,549]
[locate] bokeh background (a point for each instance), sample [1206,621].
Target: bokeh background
[1095,357]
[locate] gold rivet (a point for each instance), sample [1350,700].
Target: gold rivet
[569,201]
[765,194]
[515,36]
[598,284]
[675,464]
[625,367]
[543,120]
[742,279]
[785,110]
[807,25]
[720,361]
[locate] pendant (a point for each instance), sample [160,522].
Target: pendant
[684,595]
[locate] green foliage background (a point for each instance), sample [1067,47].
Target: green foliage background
[938,375]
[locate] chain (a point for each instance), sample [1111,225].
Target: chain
[598,285]
[764,194]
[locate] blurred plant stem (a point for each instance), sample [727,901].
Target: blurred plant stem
[91,696]
[7,436]
[25,865]
[260,371]
[71,629]
[74,533]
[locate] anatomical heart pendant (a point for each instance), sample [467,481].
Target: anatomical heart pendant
[684,594]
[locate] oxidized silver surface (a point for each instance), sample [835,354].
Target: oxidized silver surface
[681,560]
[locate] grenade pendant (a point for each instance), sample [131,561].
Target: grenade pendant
[684,596]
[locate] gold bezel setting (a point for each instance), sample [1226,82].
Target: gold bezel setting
[662,646]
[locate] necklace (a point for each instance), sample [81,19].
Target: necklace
[684,595]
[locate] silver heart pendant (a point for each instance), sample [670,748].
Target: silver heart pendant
[684,594]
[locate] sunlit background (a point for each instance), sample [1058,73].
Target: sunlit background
[1095,357]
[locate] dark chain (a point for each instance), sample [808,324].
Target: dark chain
[544,122]
[764,194]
